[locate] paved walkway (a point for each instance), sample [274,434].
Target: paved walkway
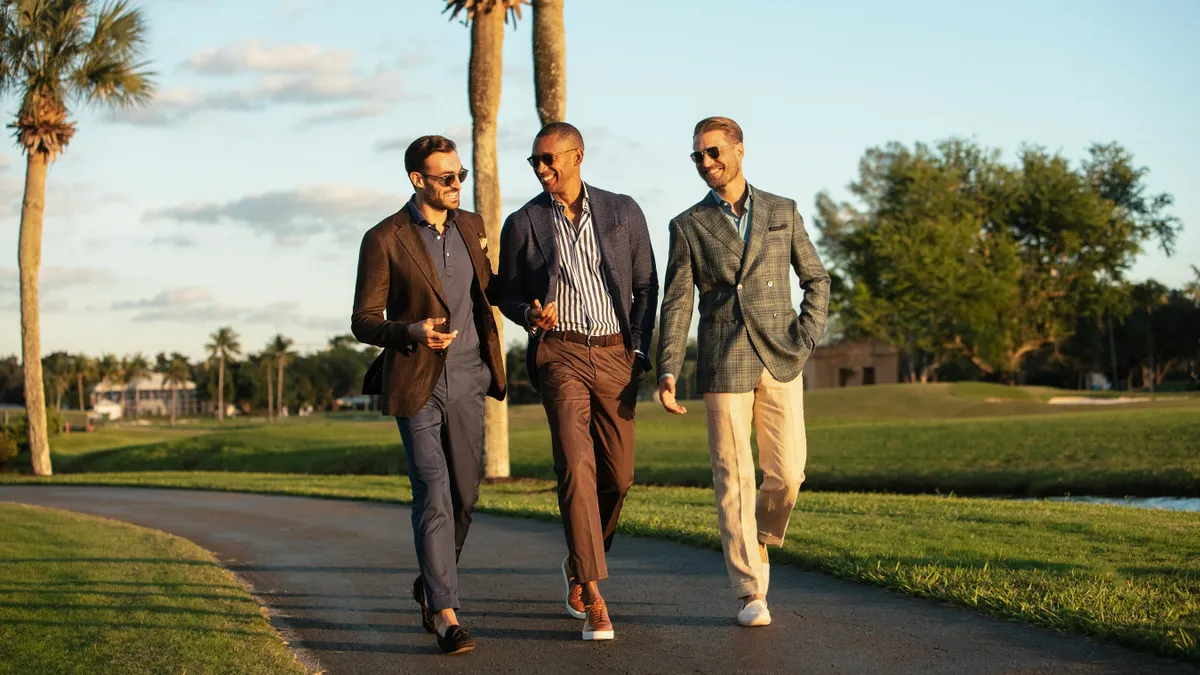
[336,576]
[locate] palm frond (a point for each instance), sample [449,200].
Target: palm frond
[472,8]
[56,51]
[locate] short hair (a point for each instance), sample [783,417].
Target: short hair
[562,130]
[419,150]
[731,128]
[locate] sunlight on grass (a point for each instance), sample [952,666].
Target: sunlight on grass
[85,595]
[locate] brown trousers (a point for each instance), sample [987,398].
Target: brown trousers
[589,394]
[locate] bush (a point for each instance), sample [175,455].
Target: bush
[17,430]
[8,447]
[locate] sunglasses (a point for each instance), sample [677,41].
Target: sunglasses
[712,153]
[546,158]
[448,179]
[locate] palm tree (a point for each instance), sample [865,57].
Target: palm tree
[52,51]
[487,18]
[224,347]
[56,370]
[176,374]
[85,368]
[281,350]
[267,359]
[108,369]
[132,370]
[549,60]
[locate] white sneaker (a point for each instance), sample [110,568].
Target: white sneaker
[755,614]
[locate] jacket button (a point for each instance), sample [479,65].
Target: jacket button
[775,315]
[739,287]
[770,284]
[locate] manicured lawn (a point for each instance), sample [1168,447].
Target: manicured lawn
[915,439]
[85,595]
[1121,574]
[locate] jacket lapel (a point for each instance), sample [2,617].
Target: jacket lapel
[760,220]
[604,224]
[542,221]
[410,240]
[710,217]
[471,237]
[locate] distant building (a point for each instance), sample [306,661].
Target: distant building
[852,364]
[148,396]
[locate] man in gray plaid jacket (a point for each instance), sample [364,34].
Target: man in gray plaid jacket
[736,247]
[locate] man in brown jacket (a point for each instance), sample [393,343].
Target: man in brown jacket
[426,267]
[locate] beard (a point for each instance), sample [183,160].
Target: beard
[720,180]
[446,199]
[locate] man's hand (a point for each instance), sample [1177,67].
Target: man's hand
[543,317]
[666,394]
[426,333]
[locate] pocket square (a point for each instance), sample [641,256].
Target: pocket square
[776,228]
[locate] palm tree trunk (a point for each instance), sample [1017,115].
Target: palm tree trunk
[221,388]
[270,398]
[279,389]
[80,378]
[30,260]
[483,88]
[174,402]
[550,60]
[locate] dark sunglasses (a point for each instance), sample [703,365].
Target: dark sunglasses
[448,179]
[546,158]
[712,153]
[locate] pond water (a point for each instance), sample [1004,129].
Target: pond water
[1165,503]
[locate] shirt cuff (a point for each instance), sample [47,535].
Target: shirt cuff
[665,376]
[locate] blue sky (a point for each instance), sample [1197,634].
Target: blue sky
[240,196]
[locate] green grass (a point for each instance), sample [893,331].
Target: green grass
[907,439]
[1126,575]
[87,595]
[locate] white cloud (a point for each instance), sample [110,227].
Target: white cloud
[292,216]
[292,74]
[358,112]
[177,240]
[252,56]
[55,278]
[195,305]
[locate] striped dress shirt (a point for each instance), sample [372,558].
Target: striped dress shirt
[584,303]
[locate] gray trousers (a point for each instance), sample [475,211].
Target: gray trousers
[443,444]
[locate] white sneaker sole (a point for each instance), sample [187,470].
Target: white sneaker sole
[756,622]
[567,596]
[597,635]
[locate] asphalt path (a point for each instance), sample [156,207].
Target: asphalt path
[336,577]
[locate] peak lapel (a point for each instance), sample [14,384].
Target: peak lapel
[760,220]
[718,226]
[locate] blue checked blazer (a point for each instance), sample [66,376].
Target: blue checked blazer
[746,316]
[529,265]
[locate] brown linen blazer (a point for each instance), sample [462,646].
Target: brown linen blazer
[396,275]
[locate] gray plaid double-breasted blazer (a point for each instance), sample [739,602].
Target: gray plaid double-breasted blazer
[747,320]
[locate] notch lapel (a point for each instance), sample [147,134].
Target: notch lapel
[604,224]
[410,241]
[471,237]
[541,220]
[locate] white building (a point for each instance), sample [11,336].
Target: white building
[148,396]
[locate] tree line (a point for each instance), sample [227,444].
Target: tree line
[980,269]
